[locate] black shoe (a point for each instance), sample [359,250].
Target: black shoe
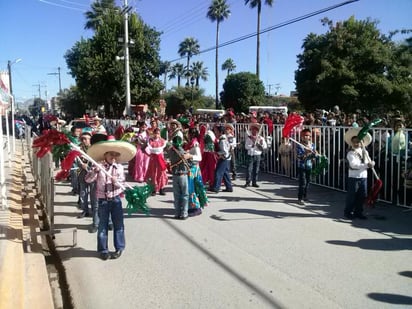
[348,216]
[213,190]
[360,216]
[246,185]
[117,254]
[104,256]
[82,215]
[110,227]
[153,193]
[255,185]
[93,229]
[228,190]
[184,217]
[162,192]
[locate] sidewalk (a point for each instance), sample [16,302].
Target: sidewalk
[24,281]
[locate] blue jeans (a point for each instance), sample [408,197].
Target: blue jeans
[114,209]
[252,169]
[88,190]
[222,172]
[355,196]
[181,195]
[304,180]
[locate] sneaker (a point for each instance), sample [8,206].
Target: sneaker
[117,254]
[162,192]
[360,216]
[93,229]
[301,202]
[246,185]
[348,216]
[228,190]
[255,185]
[104,256]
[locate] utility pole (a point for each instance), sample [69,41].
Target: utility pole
[60,81]
[269,86]
[277,87]
[126,10]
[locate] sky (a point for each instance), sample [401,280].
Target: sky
[36,34]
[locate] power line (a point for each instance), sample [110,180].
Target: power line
[283,24]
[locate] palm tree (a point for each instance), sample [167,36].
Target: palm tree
[229,65]
[217,12]
[188,47]
[98,10]
[164,69]
[177,71]
[198,72]
[258,4]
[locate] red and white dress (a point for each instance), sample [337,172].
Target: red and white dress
[156,173]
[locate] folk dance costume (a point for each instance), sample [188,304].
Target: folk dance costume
[156,173]
[209,158]
[139,164]
[222,166]
[197,191]
[254,144]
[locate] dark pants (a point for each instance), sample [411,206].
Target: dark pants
[355,196]
[253,167]
[304,180]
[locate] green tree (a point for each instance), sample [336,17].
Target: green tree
[188,48]
[198,72]
[100,78]
[217,12]
[352,65]
[181,99]
[253,4]
[229,66]
[242,90]
[72,102]
[165,68]
[96,16]
[177,71]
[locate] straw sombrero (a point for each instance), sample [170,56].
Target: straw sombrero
[354,132]
[176,122]
[127,151]
[230,126]
[254,125]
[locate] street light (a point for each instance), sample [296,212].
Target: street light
[9,64]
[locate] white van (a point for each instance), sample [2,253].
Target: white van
[271,109]
[210,112]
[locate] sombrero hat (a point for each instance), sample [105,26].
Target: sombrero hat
[127,151]
[230,126]
[254,125]
[176,122]
[354,132]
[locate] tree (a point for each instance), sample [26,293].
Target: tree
[258,4]
[242,90]
[217,12]
[95,17]
[229,66]
[100,78]
[187,48]
[177,71]
[352,65]
[165,67]
[198,72]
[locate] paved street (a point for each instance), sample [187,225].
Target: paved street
[253,248]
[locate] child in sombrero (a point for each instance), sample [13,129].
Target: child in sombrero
[110,154]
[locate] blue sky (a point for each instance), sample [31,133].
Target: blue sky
[39,32]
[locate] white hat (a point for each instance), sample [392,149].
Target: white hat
[354,132]
[127,150]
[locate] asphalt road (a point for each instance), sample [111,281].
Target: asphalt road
[252,248]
